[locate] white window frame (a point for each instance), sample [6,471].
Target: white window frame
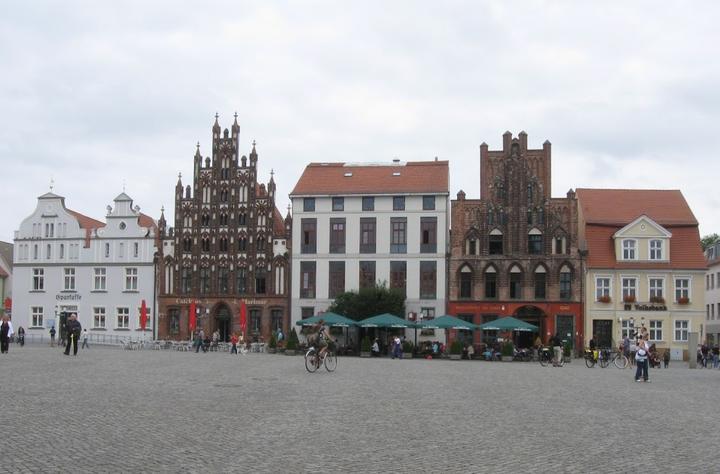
[629,289]
[679,330]
[69,279]
[655,329]
[99,279]
[625,328]
[685,289]
[122,317]
[629,249]
[38,279]
[650,278]
[602,289]
[655,253]
[37,315]
[99,317]
[131,279]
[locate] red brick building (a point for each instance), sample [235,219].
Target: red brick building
[514,251]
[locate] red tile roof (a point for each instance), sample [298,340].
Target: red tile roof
[278,223]
[85,221]
[414,177]
[147,221]
[605,211]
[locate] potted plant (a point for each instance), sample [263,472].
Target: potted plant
[272,344]
[407,348]
[292,343]
[567,351]
[657,299]
[456,349]
[365,347]
[629,298]
[604,299]
[683,300]
[506,351]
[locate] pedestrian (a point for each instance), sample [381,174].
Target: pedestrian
[666,358]
[73,330]
[470,351]
[6,332]
[279,335]
[375,349]
[200,341]
[21,336]
[85,344]
[641,360]
[396,347]
[233,341]
[557,349]
[716,356]
[52,336]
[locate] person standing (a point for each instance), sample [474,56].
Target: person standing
[21,336]
[200,341]
[6,332]
[557,349]
[52,336]
[641,360]
[85,344]
[233,342]
[74,328]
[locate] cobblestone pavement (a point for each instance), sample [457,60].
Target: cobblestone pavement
[110,410]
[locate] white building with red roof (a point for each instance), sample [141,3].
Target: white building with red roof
[65,262]
[358,225]
[645,267]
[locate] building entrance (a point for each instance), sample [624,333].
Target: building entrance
[222,322]
[532,315]
[602,332]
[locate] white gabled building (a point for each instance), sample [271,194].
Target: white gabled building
[355,225]
[712,295]
[67,262]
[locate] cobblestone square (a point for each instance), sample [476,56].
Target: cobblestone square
[110,410]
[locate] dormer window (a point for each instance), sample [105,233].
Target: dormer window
[656,252]
[629,251]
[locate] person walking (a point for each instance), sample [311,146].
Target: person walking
[557,349]
[85,344]
[233,342]
[21,336]
[6,332]
[200,341]
[641,360]
[74,328]
[52,336]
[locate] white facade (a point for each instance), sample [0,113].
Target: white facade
[352,212]
[65,261]
[712,295]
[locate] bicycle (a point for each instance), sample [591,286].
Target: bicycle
[313,360]
[605,357]
[546,356]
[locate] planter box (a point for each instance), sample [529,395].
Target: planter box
[407,355]
[455,356]
[289,352]
[271,351]
[364,354]
[506,358]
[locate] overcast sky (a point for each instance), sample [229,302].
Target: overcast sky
[97,94]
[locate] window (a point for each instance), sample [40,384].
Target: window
[628,249]
[276,319]
[535,244]
[398,238]
[367,274]
[338,204]
[205,220]
[187,244]
[559,245]
[131,279]
[495,244]
[186,280]
[428,280]
[223,279]
[490,283]
[307,312]
[515,283]
[62,251]
[241,281]
[99,279]
[398,276]
[656,250]
[242,219]
[656,333]
[337,235]
[121,250]
[107,250]
[629,289]
[681,330]
[428,203]
[626,329]
[399,203]
[309,204]
[540,283]
[656,290]
[204,280]
[223,244]
[242,244]
[337,279]
[465,282]
[48,252]
[38,283]
[37,316]
[69,280]
[99,317]
[123,318]
[682,290]
[308,244]
[602,288]
[255,321]
[136,249]
[471,246]
[565,283]
[428,234]
[307,279]
[368,203]
[260,282]
[367,235]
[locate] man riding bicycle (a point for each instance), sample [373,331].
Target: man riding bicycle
[320,338]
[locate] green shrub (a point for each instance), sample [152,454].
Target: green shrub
[507,349]
[407,347]
[456,347]
[365,344]
[292,342]
[272,343]
[567,349]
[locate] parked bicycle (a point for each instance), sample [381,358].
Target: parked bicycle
[605,357]
[546,356]
[313,360]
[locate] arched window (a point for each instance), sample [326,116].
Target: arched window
[223,219]
[565,283]
[205,220]
[540,283]
[466,274]
[490,283]
[187,244]
[206,245]
[535,242]
[495,242]
[515,282]
[223,244]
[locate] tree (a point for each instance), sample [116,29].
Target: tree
[709,240]
[379,299]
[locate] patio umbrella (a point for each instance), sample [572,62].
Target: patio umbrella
[386,320]
[191,317]
[508,324]
[330,319]
[447,322]
[243,318]
[143,315]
